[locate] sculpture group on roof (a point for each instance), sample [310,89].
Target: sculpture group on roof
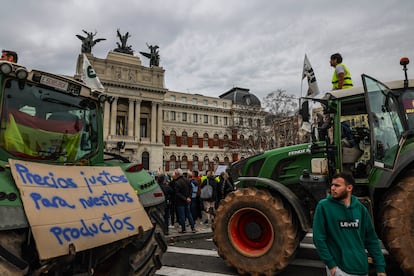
[88,42]
[153,55]
[123,48]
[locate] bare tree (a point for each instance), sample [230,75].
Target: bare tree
[280,103]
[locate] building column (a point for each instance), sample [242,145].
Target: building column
[114,110]
[153,122]
[131,118]
[106,118]
[138,119]
[159,124]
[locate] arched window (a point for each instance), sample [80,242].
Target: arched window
[184,162]
[205,140]
[216,140]
[184,137]
[225,141]
[226,161]
[195,163]
[173,162]
[206,163]
[195,138]
[173,137]
[145,160]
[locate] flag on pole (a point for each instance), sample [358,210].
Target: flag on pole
[313,89]
[89,76]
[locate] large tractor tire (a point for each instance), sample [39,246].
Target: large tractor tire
[397,217]
[255,232]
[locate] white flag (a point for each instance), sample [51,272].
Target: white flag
[313,89]
[89,76]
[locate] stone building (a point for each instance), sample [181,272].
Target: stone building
[163,129]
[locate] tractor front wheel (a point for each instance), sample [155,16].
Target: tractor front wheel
[255,232]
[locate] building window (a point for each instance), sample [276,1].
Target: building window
[195,101]
[226,161]
[206,163]
[172,98]
[172,115]
[214,103]
[206,119]
[215,120]
[184,116]
[184,99]
[195,163]
[195,138]
[145,160]
[205,102]
[226,121]
[184,163]
[259,123]
[250,122]
[195,118]
[226,141]
[184,138]
[173,162]
[120,125]
[143,127]
[241,121]
[173,137]
[216,140]
[205,140]
[225,105]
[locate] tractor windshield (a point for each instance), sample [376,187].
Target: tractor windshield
[41,123]
[385,121]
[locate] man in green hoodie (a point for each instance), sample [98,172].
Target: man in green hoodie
[343,229]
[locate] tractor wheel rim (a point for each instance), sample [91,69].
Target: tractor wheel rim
[251,232]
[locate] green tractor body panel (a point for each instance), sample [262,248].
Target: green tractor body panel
[56,120]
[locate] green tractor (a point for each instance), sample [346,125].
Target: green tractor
[56,121]
[367,132]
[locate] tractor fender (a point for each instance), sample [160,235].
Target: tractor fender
[287,194]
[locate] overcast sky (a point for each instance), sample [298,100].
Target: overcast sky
[209,46]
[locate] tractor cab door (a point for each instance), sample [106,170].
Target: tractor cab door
[385,121]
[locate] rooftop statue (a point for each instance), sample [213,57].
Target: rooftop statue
[122,47]
[153,55]
[88,42]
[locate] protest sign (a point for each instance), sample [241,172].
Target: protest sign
[80,206]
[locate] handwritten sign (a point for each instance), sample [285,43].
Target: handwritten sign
[83,206]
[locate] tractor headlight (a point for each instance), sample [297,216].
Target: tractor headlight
[6,68]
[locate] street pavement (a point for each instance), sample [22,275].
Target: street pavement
[202,231]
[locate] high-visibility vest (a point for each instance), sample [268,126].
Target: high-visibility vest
[347,78]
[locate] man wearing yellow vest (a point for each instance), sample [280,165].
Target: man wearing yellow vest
[341,78]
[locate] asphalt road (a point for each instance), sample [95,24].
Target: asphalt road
[197,255]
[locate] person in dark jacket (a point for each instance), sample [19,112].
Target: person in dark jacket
[343,229]
[183,200]
[168,194]
[224,187]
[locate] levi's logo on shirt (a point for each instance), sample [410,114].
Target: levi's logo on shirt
[350,224]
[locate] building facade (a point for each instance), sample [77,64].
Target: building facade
[164,129]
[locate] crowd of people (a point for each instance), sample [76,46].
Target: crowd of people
[191,198]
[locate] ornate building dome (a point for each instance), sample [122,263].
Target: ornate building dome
[241,96]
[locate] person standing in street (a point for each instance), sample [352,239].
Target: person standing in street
[208,195]
[341,78]
[343,229]
[183,200]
